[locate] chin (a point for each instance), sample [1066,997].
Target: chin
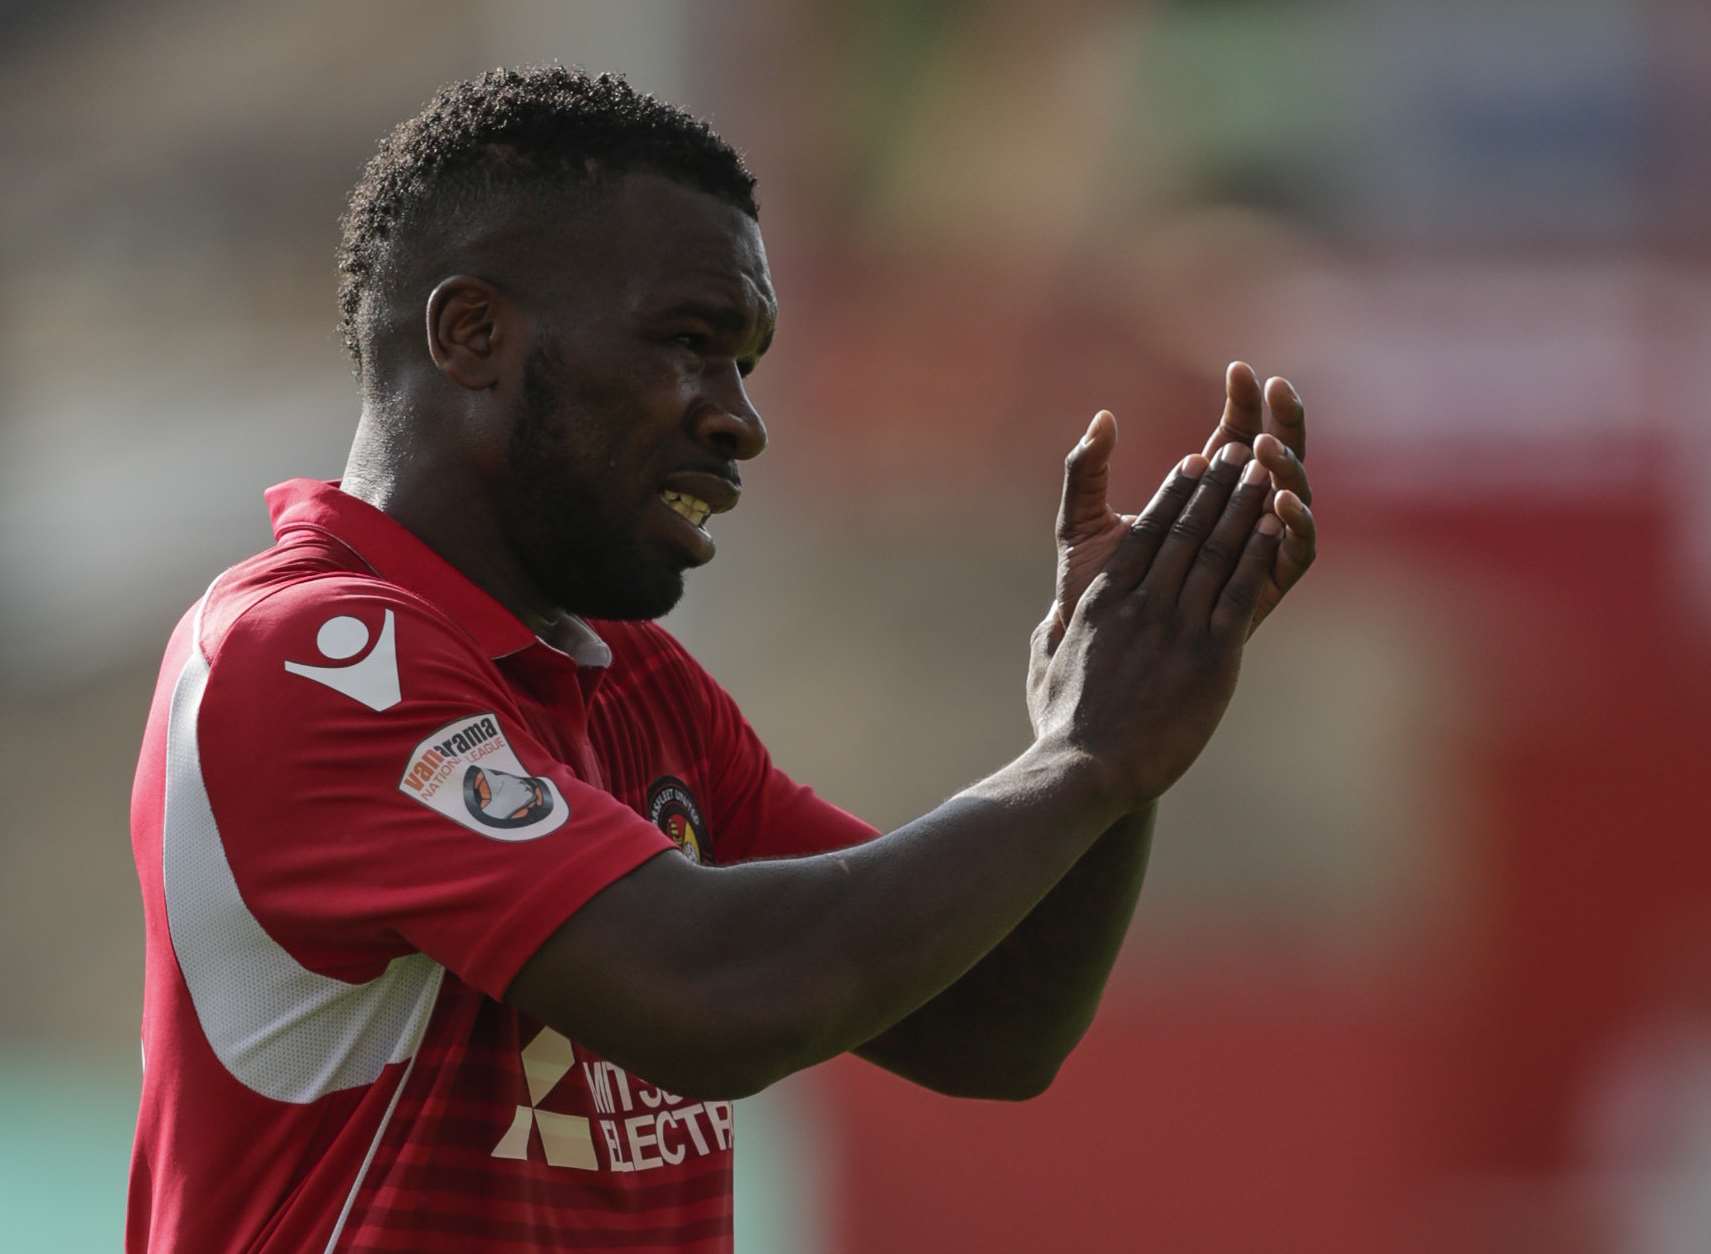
[639,596]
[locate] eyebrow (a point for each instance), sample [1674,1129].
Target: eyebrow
[723,318]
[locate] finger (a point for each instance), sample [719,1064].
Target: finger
[1086,472]
[1218,555]
[1244,408]
[1287,472]
[1286,416]
[1233,614]
[1135,552]
[1164,579]
[1300,543]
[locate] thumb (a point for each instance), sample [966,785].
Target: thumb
[1085,473]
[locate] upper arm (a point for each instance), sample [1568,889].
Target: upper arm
[636,975]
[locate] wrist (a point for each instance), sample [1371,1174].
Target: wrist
[1106,794]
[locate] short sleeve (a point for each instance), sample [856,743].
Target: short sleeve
[758,810]
[377,790]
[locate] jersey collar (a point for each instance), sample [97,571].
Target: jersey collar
[396,555]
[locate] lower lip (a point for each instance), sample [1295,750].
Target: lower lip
[698,543]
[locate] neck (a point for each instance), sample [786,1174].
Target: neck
[436,496]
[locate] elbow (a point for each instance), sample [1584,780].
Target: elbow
[1020,1083]
[1013,1078]
[1026,1068]
[1037,1070]
[1023,1063]
[1025,1085]
[1013,1062]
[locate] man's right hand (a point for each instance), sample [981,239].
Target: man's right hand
[1150,657]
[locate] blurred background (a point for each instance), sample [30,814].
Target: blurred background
[1424,959]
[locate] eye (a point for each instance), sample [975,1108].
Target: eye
[694,341]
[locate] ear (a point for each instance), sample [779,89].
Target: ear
[468,330]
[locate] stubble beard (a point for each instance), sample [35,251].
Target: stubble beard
[577,538]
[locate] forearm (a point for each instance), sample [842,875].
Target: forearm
[760,969]
[1003,1029]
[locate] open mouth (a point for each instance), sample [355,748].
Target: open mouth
[691,508]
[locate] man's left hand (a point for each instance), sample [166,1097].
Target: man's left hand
[1271,420]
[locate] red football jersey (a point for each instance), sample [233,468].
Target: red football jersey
[367,795]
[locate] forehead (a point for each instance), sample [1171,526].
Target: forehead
[653,239]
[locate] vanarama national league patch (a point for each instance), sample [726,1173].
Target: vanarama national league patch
[467,772]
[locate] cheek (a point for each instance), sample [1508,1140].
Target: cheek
[616,429]
[642,428]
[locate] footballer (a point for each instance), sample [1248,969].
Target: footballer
[472,901]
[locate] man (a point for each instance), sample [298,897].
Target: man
[471,900]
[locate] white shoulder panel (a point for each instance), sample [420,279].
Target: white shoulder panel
[280,1029]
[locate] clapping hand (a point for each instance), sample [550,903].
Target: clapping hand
[1267,423]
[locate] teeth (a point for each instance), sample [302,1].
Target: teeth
[692,508]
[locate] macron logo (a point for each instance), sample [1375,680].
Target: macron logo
[372,680]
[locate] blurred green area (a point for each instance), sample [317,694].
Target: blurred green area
[65,1148]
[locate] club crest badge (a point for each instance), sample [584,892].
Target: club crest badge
[672,809]
[468,772]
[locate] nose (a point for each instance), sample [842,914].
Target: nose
[729,423]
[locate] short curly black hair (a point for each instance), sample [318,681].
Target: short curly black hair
[536,127]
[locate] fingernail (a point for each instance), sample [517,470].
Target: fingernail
[1254,472]
[1270,526]
[1192,467]
[1234,454]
